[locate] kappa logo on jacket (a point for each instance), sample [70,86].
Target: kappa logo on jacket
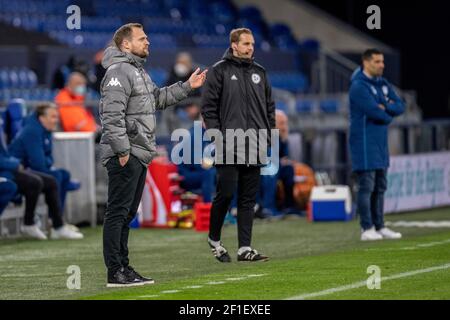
[114,82]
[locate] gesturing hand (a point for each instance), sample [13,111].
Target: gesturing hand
[196,80]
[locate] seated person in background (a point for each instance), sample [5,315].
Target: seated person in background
[72,111]
[8,190]
[198,176]
[285,175]
[33,146]
[13,179]
[182,70]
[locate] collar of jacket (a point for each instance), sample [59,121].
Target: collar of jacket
[34,121]
[228,55]
[113,55]
[136,60]
[358,74]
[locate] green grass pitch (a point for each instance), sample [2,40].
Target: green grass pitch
[308,261]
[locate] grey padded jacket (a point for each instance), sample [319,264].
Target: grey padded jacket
[129,99]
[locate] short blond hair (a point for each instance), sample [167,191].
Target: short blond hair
[235,34]
[124,32]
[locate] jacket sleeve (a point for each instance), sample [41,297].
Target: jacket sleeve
[115,92]
[34,149]
[270,104]
[8,163]
[361,96]
[211,94]
[397,107]
[168,96]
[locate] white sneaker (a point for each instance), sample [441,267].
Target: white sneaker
[370,235]
[65,233]
[387,233]
[72,227]
[33,231]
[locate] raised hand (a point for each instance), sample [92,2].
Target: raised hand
[196,80]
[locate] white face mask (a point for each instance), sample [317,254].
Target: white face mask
[181,70]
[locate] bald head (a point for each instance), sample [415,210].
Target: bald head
[282,124]
[76,83]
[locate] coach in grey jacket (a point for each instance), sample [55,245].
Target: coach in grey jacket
[128,103]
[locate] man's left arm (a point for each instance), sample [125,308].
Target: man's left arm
[395,106]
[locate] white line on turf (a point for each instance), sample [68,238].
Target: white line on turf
[215,282]
[170,291]
[361,284]
[419,224]
[415,247]
[208,283]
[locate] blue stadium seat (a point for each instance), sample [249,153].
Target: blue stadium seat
[329,105]
[281,105]
[159,76]
[304,106]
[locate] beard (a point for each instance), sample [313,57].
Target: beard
[140,53]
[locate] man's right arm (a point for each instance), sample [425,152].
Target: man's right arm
[211,99]
[361,95]
[115,92]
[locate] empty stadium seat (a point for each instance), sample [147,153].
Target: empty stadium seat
[329,106]
[304,106]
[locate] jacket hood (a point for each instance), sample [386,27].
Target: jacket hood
[32,120]
[113,55]
[228,55]
[358,74]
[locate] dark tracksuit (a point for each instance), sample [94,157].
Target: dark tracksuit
[369,142]
[236,95]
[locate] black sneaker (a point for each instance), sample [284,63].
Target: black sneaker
[133,275]
[220,252]
[120,279]
[251,255]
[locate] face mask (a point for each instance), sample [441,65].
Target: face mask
[80,90]
[181,70]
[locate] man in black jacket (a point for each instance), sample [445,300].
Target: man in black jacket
[237,96]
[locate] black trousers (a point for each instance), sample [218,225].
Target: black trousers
[229,177]
[31,184]
[125,187]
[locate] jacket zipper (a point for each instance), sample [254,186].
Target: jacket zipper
[246,109]
[148,91]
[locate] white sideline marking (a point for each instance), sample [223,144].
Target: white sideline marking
[199,286]
[415,247]
[215,282]
[361,284]
[170,291]
[419,224]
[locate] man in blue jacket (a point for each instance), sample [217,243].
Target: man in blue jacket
[373,105]
[33,146]
[14,180]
